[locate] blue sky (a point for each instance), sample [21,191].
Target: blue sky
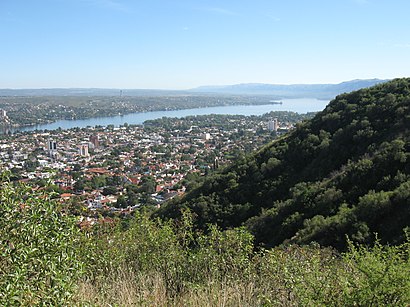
[179,44]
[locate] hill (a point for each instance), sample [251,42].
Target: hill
[345,172]
[321,91]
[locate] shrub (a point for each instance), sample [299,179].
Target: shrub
[39,261]
[381,275]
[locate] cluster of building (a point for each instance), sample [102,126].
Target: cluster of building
[81,163]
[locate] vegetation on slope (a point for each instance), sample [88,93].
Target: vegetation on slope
[46,260]
[345,172]
[171,264]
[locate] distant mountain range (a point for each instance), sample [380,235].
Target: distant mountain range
[320,91]
[325,91]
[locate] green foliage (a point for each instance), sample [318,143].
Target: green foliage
[151,262]
[109,190]
[148,184]
[381,275]
[173,251]
[342,172]
[185,266]
[39,260]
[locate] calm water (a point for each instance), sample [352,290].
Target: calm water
[296,105]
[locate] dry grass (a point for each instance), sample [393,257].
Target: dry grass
[130,289]
[123,289]
[218,295]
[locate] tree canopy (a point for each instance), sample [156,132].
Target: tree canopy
[344,172]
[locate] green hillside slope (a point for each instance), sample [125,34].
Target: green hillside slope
[345,172]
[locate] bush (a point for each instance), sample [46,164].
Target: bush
[381,275]
[39,261]
[170,263]
[153,262]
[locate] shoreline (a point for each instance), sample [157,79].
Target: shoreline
[17,126]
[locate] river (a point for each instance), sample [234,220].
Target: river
[302,105]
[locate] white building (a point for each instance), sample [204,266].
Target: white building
[206,136]
[83,150]
[273,125]
[4,119]
[51,145]
[52,148]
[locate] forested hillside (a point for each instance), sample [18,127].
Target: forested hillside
[345,172]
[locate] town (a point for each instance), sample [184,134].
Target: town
[115,170]
[34,110]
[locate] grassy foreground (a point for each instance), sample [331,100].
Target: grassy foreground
[46,260]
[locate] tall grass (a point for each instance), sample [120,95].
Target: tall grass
[169,264]
[45,260]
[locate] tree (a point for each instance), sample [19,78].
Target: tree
[121,202]
[79,185]
[110,190]
[148,185]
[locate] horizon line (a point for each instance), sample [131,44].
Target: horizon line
[180,90]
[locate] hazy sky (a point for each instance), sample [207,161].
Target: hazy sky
[179,44]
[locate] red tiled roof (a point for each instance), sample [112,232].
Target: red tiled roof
[66,195]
